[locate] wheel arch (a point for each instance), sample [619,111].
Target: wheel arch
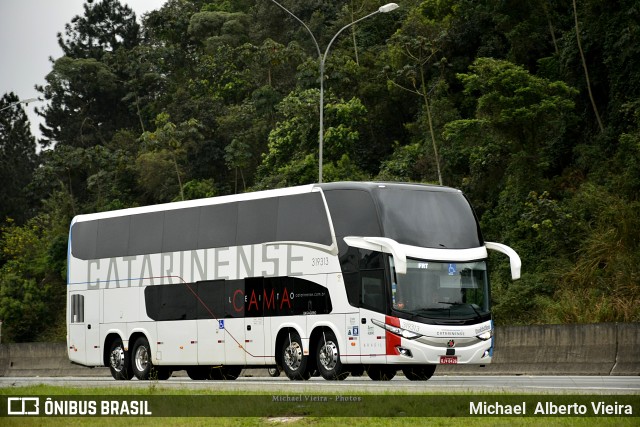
[137,334]
[282,335]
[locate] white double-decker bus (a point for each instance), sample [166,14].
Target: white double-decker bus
[334,279]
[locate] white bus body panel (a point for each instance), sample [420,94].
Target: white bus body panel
[114,301]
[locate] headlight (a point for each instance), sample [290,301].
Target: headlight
[404,333]
[485,335]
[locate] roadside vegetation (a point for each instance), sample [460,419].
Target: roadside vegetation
[531,108]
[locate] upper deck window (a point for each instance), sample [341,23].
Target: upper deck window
[299,217]
[426,218]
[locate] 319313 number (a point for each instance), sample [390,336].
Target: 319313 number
[319,262]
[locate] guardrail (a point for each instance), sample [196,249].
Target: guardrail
[594,349]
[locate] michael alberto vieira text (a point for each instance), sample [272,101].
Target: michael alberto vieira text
[550,408]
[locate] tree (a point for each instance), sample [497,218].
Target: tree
[32,291]
[413,51]
[18,160]
[86,87]
[519,127]
[585,68]
[105,27]
[293,142]
[164,158]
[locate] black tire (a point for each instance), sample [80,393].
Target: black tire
[225,372]
[419,372]
[328,358]
[141,363]
[198,373]
[356,370]
[294,362]
[162,373]
[274,371]
[231,372]
[381,372]
[119,362]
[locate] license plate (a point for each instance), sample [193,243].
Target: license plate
[448,360]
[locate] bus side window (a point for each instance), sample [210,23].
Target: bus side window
[77,308]
[373,290]
[352,285]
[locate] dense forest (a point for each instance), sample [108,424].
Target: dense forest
[531,108]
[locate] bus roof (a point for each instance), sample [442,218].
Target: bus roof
[369,186]
[362,186]
[197,203]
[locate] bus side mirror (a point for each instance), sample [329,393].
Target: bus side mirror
[381,244]
[514,258]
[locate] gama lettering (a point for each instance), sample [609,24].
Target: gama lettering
[287,278]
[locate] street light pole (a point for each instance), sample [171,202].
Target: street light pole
[24,101]
[322,58]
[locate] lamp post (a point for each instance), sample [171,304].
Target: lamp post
[382,9]
[24,101]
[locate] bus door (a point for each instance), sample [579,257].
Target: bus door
[84,327]
[372,308]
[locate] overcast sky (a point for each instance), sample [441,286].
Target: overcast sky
[28,30]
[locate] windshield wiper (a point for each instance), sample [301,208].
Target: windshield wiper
[462,303]
[410,313]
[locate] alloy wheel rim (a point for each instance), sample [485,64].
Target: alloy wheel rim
[293,356]
[329,355]
[117,359]
[142,358]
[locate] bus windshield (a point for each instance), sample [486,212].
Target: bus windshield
[441,290]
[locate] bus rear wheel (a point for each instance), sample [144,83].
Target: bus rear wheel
[274,371]
[119,362]
[141,363]
[328,358]
[225,373]
[294,362]
[381,372]
[419,373]
[162,372]
[199,372]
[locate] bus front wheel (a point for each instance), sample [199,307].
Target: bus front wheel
[381,372]
[356,370]
[294,362]
[419,373]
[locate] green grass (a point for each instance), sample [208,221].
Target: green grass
[292,418]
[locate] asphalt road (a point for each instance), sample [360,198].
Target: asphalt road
[444,384]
